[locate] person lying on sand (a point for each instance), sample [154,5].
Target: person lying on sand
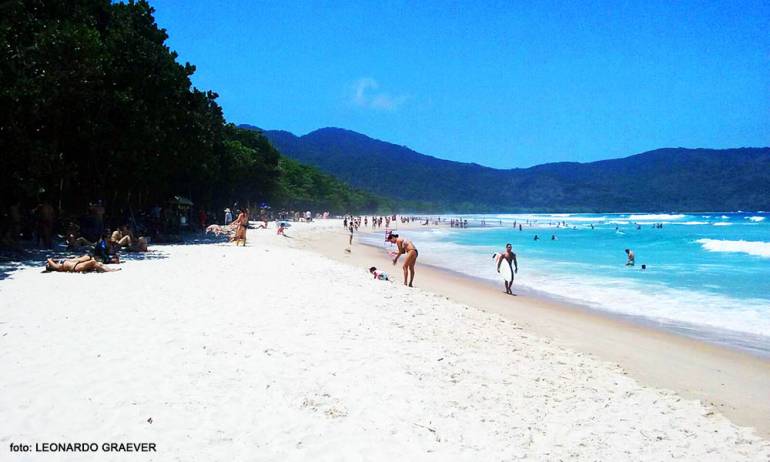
[84,264]
[408,248]
[123,237]
[138,244]
[75,243]
[227,230]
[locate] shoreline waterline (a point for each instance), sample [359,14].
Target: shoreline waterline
[692,278]
[732,340]
[732,380]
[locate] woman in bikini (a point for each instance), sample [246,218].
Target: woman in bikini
[242,224]
[408,248]
[84,264]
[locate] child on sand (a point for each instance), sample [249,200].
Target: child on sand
[379,275]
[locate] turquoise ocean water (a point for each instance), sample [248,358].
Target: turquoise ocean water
[707,276]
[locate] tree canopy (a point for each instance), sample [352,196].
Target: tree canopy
[96,106]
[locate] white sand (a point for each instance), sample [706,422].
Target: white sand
[274,353]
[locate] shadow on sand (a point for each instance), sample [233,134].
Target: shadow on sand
[12,260]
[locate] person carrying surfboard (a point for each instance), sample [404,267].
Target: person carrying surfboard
[408,248]
[509,257]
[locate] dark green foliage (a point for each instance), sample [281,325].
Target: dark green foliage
[660,180]
[306,188]
[96,106]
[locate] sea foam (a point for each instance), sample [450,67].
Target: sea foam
[758,248]
[574,283]
[655,217]
[704,291]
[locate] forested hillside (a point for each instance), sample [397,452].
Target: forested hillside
[664,179]
[95,106]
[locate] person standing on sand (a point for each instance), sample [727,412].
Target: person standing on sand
[45,218]
[509,257]
[242,223]
[350,240]
[408,248]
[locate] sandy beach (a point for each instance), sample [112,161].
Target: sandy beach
[732,381]
[277,352]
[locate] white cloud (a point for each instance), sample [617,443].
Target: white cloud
[366,94]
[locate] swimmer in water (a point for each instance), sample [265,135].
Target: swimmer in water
[631,257]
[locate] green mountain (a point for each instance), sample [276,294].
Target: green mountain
[303,187]
[667,179]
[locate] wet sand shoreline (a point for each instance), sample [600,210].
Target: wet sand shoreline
[732,381]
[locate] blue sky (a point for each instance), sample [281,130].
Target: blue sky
[504,84]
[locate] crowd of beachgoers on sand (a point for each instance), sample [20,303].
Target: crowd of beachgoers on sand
[95,239]
[309,313]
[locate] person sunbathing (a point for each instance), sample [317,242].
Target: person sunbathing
[75,243]
[120,239]
[138,244]
[123,237]
[105,251]
[84,264]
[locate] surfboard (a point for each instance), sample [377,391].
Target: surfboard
[505,269]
